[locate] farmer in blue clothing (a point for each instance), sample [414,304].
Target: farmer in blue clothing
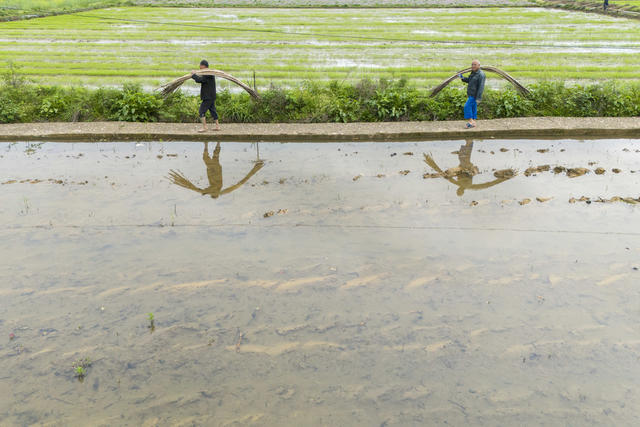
[475,87]
[207,95]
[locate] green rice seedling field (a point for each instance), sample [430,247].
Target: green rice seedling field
[623,2]
[27,8]
[618,3]
[109,47]
[16,9]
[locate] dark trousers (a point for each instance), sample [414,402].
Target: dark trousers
[208,105]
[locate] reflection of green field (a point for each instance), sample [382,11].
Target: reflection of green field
[532,43]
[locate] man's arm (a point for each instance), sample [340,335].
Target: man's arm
[464,79]
[197,78]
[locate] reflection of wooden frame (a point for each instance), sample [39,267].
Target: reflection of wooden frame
[464,180]
[214,174]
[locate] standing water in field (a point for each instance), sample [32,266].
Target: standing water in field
[461,282]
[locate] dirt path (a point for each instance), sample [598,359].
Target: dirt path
[539,127]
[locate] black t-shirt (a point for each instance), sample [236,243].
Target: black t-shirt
[208,88]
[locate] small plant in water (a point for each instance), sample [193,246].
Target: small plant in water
[152,324]
[80,372]
[80,368]
[25,211]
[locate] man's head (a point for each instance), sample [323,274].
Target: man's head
[475,65]
[204,64]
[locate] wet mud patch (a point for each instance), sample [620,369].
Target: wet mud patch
[536,169]
[576,172]
[505,173]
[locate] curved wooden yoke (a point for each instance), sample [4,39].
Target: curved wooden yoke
[519,87]
[170,87]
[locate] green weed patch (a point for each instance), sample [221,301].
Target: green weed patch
[364,101]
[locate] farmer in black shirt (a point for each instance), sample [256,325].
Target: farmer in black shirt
[207,95]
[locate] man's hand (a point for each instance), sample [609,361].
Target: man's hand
[193,72]
[460,75]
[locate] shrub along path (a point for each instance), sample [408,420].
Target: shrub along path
[529,127]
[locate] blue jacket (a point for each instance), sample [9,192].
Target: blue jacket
[475,84]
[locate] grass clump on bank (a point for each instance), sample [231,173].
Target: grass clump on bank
[365,101]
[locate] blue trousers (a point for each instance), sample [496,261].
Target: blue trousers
[471,109]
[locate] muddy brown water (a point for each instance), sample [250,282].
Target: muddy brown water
[320,284]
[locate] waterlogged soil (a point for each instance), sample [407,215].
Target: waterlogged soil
[319,284]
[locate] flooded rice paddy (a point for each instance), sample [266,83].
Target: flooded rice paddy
[459,282]
[288,47]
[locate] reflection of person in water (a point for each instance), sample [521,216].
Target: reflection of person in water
[214,173]
[462,176]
